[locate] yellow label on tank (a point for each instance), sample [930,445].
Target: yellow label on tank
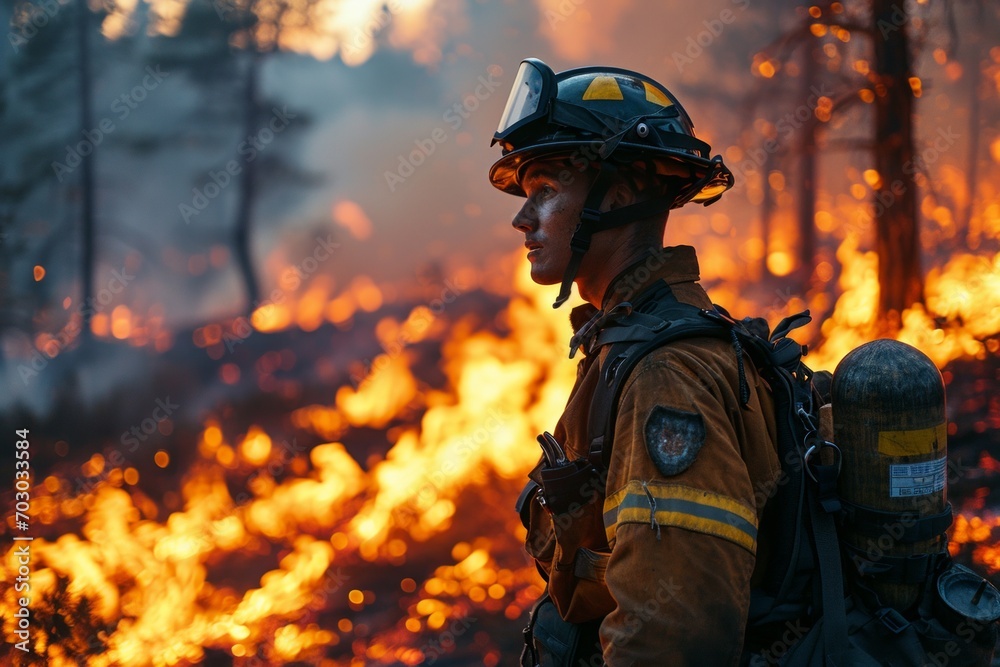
[913,443]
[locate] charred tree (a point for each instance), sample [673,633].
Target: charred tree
[766,214]
[794,140]
[806,184]
[220,47]
[976,91]
[897,237]
[244,214]
[86,172]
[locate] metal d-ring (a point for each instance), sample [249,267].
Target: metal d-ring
[812,450]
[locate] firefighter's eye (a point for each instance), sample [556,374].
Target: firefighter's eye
[545,190]
[540,186]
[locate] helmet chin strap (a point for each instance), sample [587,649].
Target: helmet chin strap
[592,220]
[585,229]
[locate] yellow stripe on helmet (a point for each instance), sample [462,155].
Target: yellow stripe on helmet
[655,95]
[603,88]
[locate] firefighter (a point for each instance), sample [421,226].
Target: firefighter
[651,561]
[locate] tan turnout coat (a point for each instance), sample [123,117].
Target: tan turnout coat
[686,485]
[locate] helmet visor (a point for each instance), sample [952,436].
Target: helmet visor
[529,97]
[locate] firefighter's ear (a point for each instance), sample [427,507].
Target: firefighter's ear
[619,195]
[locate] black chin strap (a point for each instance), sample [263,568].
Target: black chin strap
[592,220]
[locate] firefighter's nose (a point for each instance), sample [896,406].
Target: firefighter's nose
[526,219]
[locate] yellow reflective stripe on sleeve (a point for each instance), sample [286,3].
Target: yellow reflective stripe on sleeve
[655,95]
[603,88]
[682,507]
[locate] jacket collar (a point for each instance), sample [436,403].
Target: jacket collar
[672,265]
[676,264]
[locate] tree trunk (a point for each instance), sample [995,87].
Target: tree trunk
[897,237]
[806,150]
[86,173]
[972,170]
[766,214]
[244,214]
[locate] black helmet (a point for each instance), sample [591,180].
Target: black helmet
[612,117]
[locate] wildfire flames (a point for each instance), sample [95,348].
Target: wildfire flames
[130,584]
[149,578]
[154,585]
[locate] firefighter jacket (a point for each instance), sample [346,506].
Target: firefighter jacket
[666,551]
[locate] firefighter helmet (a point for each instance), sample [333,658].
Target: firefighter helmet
[604,117]
[603,113]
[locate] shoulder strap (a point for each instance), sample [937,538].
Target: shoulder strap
[629,342]
[778,359]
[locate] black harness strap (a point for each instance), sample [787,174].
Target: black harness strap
[824,504]
[678,321]
[778,360]
[831,576]
[637,333]
[884,568]
[905,527]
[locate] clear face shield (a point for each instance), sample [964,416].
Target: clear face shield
[529,98]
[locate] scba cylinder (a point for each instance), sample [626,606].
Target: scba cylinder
[891,427]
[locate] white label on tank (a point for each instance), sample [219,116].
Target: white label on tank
[917,479]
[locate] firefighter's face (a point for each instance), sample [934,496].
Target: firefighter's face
[555,197]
